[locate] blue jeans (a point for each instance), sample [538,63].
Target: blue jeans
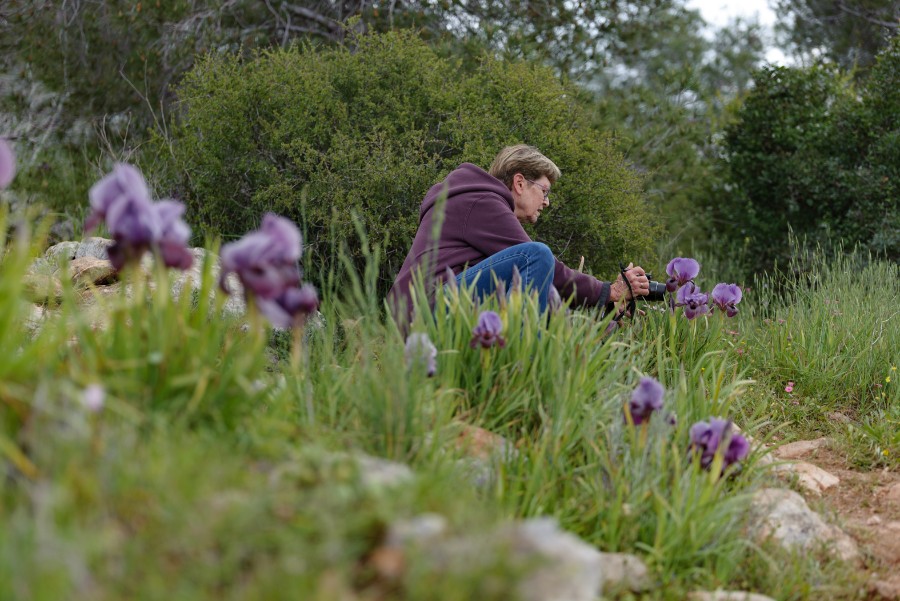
[534,261]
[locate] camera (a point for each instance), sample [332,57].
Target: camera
[657,291]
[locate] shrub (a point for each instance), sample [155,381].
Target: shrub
[812,154]
[321,135]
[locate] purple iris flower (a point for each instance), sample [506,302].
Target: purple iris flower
[123,183]
[174,235]
[419,350]
[7,164]
[265,260]
[487,331]
[708,438]
[681,270]
[646,398]
[136,223]
[290,308]
[554,300]
[693,301]
[725,297]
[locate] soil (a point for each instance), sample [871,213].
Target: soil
[860,505]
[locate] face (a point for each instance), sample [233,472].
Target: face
[529,197]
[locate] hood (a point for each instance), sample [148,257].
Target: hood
[468,178]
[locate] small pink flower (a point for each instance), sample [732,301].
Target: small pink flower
[789,387]
[93,398]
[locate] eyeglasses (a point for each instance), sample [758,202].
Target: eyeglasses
[546,189]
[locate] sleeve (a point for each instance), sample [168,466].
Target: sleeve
[493,227]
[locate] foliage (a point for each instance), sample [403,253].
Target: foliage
[811,154]
[321,136]
[848,33]
[669,110]
[111,57]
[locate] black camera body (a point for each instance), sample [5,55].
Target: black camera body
[657,291]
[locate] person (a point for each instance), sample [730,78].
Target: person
[481,238]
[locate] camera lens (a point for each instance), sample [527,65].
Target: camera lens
[657,292]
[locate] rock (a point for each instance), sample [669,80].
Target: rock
[801,448]
[568,569]
[91,271]
[893,493]
[388,562]
[837,416]
[784,516]
[478,443]
[93,247]
[62,230]
[482,451]
[624,572]
[893,526]
[727,596]
[193,279]
[42,289]
[887,589]
[417,530]
[873,521]
[64,251]
[35,317]
[375,472]
[811,478]
[551,564]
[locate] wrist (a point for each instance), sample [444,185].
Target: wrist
[615,292]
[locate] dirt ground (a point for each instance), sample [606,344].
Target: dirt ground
[861,506]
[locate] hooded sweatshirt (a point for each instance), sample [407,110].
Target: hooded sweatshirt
[479,221]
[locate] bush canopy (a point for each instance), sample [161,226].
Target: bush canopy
[814,153]
[364,129]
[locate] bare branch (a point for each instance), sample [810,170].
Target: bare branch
[892,25]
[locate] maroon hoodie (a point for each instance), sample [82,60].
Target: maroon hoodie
[479,221]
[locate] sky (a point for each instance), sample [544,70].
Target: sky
[720,12]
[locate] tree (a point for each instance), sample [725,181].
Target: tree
[851,33]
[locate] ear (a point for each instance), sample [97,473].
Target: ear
[518,181]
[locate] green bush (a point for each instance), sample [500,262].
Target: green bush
[319,136]
[811,153]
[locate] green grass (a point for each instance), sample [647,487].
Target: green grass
[218,467]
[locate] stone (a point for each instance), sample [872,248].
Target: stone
[42,289]
[551,564]
[784,516]
[478,443]
[801,448]
[417,530]
[887,589]
[93,247]
[482,451]
[62,230]
[91,271]
[727,596]
[893,526]
[624,572]
[568,569]
[837,416]
[64,251]
[810,477]
[375,472]
[388,562]
[873,521]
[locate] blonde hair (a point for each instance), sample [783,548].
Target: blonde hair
[523,159]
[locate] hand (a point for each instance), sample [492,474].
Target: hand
[639,281]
